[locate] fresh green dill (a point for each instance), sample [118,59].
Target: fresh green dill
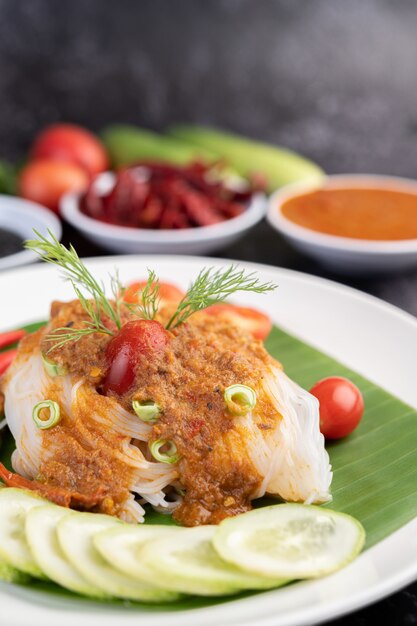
[210,286]
[148,298]
[60,336]
[74,271]
[213,285]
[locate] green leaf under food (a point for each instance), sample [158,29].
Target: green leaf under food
[279,165]
[129,144]
[375,474]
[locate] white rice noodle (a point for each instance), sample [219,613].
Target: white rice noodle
[175,499]
[291,457]
[132,511]
[27,384]
[124,423]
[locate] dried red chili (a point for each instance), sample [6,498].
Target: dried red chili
[162,196]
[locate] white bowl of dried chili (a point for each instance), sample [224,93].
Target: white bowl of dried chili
[110,201]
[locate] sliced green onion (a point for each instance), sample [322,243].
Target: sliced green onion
[147,411]
[54,414]
[53,369]
[240,399]
[169,456]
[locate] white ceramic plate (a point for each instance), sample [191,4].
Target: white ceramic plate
[372,337]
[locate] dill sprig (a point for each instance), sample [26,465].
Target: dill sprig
[210,286]
[60,336]
[215,286]
[73,270]
[148,300]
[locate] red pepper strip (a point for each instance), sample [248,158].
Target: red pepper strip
[59,495]
[12,336]
[5,360]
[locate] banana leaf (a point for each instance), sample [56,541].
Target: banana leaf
[375,469]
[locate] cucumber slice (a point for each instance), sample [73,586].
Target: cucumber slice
[290,540]
[14,549]
[121,545]
[75,535]
[187,562]
[43,542]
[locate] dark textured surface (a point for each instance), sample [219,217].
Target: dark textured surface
[335,79]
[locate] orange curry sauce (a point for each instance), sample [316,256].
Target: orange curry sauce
[358,213]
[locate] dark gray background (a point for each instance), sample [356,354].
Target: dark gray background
[334,79]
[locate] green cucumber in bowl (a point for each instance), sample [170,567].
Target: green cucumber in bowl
[188,563]
[279,165]
[14,548]
[41,523]
[75,533]
[128,144]
[290,540]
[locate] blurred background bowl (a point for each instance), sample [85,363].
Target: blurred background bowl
[198,240]
[21,217]
[343,254]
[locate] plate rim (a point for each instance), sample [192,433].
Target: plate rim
[316,614]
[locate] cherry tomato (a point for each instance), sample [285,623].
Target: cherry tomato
[250,320]
[168,294]
[341,406]
[46,181]
[73,144]
[135,340]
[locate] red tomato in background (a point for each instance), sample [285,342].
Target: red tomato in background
[250,320]
[136,339]
[46,181]
[72,144]
[169,294]
[341,406]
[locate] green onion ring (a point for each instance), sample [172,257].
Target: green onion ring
[147,411]
[240,399]
[53,369]
[170,456]
[54,414]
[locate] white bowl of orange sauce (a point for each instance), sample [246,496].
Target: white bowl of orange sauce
[351,223]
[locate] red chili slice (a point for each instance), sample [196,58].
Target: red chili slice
[10,337]
[6,359]
[246,318]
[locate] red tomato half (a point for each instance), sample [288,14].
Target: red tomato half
[169,294]
[73,144]
[250,320]
[135,340]
[341,406]
[46,181]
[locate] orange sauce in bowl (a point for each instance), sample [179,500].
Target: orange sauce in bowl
[358,213]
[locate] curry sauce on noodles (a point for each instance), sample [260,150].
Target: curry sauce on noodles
[99,451]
